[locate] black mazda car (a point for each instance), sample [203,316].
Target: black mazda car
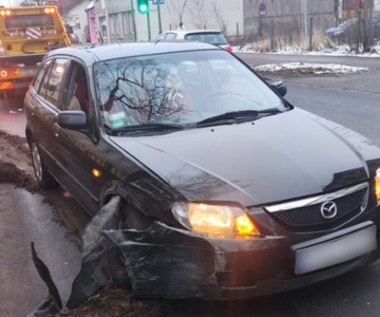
[226,190]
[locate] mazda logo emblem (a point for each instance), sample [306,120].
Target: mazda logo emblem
[329,210]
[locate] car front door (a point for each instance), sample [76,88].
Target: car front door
[78,151]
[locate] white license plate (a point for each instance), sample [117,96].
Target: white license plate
[334,249]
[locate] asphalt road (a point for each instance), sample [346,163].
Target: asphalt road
[24,218]
[352,100]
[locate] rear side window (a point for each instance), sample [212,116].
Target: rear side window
[40,75]
[171,36]
[51,84]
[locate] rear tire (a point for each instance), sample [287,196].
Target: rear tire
[44,178]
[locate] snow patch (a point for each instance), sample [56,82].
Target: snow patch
[311,68]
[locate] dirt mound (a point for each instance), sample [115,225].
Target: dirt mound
[9,173]
[15,162]
[116,303]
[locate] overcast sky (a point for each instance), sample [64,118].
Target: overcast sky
[6,3]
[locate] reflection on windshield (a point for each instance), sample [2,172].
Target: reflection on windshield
[177,88]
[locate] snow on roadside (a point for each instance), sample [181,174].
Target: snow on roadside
[311,68]
[341,50]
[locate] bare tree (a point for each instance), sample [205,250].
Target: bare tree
[222,22]
[176,9]
[199,13]
[368,25]
[143,89]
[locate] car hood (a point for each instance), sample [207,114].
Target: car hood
[273,159]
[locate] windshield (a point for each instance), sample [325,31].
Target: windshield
[178,89]
[23,21]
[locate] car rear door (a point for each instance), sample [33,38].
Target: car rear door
[43,102]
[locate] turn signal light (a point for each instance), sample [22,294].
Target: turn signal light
[96,173]
[377,185]
[245,226]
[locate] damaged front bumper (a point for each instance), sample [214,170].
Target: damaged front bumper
[165,262]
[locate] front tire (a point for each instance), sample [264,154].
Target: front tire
[44,178]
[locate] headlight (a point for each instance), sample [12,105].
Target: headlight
[377,185]
[215,220]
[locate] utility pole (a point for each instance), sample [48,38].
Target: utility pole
[133,20]
[159,17]
[148,24]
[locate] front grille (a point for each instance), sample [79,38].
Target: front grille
[309,217]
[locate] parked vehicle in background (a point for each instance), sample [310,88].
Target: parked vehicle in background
[347,31]
[226,190]
[27,34]
[208,36]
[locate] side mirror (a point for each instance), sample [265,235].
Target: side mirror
[73,120]
[280,87]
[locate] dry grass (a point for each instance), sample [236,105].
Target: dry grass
[300,44]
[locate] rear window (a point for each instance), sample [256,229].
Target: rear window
[24,21]
[208,37]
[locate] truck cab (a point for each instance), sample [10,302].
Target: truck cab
[27,34]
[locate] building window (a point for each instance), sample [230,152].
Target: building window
[127,22]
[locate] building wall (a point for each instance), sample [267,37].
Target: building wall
[377,6]
[122,22]
[225,15]
[76,17]
[93,35]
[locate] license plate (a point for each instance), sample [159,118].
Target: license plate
[27,72]
[335,248]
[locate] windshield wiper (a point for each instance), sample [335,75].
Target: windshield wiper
[149,127]
[236,117]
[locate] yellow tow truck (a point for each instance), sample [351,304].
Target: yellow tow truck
[26,35]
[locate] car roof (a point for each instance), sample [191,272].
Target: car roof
[114,51]
[193,31]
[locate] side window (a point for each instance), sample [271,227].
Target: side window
[40,75]
[75,92]
[51,84]
[161,37]
[171,36]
